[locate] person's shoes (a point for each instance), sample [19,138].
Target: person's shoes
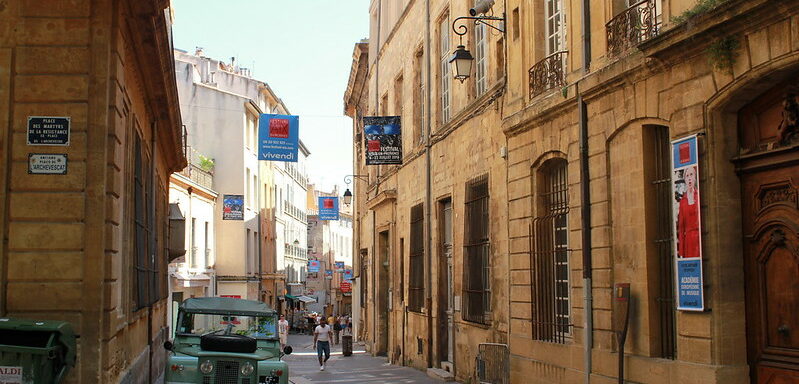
[322,368]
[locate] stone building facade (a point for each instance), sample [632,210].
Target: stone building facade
[586,111]
[90,246]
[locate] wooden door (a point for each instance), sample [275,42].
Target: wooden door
[769,169]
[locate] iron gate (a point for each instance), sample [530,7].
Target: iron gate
[493,363]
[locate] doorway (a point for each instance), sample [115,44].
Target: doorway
[769,173]
[446,331]
[382,307]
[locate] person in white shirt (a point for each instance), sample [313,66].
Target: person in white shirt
[321,339]
[283,331]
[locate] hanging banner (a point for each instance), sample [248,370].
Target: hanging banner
[328,208]
[383,140]
[329,274]
[339,266]
[348,274]
[278,137]
[313,266]
[232,207]
[345,287]
[688,224]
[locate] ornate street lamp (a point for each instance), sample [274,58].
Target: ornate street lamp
[463,63]
[347,198]
[462,58]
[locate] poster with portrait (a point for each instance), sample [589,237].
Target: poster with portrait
[382,139]
[686,211]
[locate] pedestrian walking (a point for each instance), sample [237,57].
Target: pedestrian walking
[321,340]
[337,330]
[283,331]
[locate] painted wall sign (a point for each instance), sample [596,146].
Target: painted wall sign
[278,137]
[313,266]
[688,224]
[46,130]
[47,164]
[232,207]
[328,208]
[383,140]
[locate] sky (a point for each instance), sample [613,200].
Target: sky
[302,49]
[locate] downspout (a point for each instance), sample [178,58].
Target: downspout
[428,195]
[585,187]
[374,231]
[153,238]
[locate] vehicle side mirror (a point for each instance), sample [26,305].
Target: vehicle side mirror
[168,345]
[287,350]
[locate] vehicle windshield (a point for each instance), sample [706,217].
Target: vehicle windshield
[199,324]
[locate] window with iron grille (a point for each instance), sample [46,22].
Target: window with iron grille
[550,256]
[660,180]
[444,56]
[145,268]
[416,283]
[477,265]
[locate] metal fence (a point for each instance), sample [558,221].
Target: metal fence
[493,363]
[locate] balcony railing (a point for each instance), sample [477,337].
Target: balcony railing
[548,73]
[632,27]
[199,176]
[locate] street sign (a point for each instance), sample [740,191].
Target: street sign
[47,164]
[46,130]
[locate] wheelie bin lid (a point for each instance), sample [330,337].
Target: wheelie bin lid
[64,335]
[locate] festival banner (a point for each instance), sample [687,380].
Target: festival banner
[688,224]
[313,266]
[339,266]
[329,274]
[278,137]
[383,140]
[232,207]
[348,274]
[328,208]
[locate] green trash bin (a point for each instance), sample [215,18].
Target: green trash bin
[35,352]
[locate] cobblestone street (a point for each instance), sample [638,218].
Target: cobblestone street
[358,368]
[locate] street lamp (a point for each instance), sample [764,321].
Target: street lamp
[462,58]
[347,198]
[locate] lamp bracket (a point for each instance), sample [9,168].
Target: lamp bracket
[462,29]
[348,178]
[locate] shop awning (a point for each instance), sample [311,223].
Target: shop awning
[306,299]
[290,297]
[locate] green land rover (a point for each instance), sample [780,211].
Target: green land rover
[223,340]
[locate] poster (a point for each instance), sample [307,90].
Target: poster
[328,208]
[232,207]
[313,266]
[383,140]
[348,274]
[687,224]
[339,266]
[278,137]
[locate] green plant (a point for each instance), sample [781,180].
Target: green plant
[564,91]
[700,7]
[206,163]
[721,53]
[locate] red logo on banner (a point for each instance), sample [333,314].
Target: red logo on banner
[374,146]
[346,287]
[279,128]
[685,153]
[327,204]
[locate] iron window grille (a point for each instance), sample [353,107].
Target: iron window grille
[416,283]
[144,245]
[550,257]
[477,264]
[661,182]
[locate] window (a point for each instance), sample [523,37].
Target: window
[550,263]
[418,97]
[207,248]
[398,96]
[248,260]
[144,247]
[480,58]
[193,249]
[555,26]
[247,195]
[444,54]
[515,21]
[416,283]
[477,264]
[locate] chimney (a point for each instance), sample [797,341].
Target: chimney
[198,51]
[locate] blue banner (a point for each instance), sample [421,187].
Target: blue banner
[348,274]
[278,137]
[339,266]
[328,207]
[328,272]
[313,266]
[689,284]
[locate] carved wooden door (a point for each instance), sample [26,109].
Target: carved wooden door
[769,170]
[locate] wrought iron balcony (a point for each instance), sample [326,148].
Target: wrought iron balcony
[632,27]
[548,73]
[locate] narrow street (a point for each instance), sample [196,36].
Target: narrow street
[358,368]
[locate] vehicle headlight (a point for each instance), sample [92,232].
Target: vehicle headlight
[247,369]
[206,367]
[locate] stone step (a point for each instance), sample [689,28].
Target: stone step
[440,374]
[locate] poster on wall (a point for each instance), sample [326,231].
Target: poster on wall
[313,266]
[383,140]
[232,207]
[278,137]
[328,208]
[687,224]
[339,266]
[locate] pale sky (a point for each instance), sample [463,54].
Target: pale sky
[302,49]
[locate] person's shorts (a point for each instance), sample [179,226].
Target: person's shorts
[283,339]
[323,347]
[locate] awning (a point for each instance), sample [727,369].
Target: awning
[190,276]
[290,297]
[306,299]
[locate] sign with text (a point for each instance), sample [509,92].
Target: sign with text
[278,137]
[687,218]
[348,274]
[339,266]
[329,274]
[45,130]
[11,375]
[346,286]
[313,266]
[47,164]
[383,140]
[328,208]
[232,207]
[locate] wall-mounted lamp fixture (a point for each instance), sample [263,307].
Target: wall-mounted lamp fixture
[462,58]
[347,198]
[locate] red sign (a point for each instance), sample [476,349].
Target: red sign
[346,286]
[328,203]
[374,146]
[279,128]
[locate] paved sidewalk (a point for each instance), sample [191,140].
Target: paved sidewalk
[358,368]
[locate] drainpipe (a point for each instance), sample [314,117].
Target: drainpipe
[428,195]
[585,188]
